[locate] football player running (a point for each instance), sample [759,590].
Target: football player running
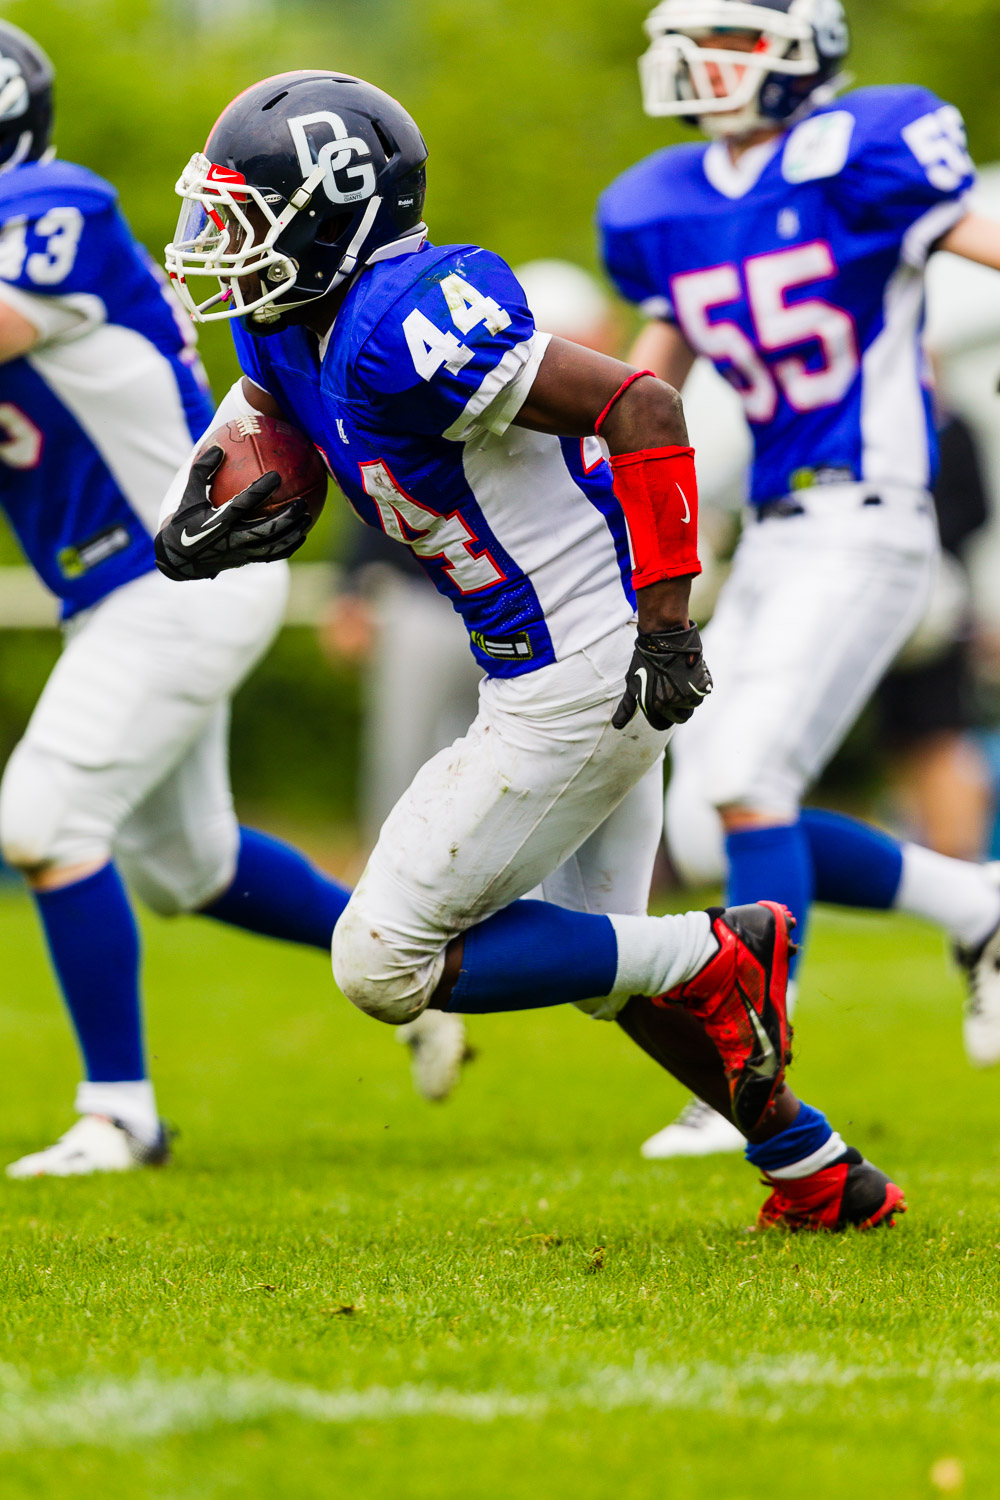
[468,436]
[101,394]
[790,251]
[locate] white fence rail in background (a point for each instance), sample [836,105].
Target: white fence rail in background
[26,605]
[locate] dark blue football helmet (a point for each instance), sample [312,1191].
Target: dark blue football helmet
[26,79]
[305,179]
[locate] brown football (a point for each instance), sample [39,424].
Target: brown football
[254,445]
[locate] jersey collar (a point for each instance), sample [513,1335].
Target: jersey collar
[407,245]
[736,179]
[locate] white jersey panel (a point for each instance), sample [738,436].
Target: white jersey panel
[560,540]
[124,394]
[893,413]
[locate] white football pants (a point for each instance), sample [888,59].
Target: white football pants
[127,753]
[814,611]
[541,792]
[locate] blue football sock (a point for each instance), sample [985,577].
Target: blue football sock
[808,1133]
[533,954]
[279,893]
[94,944]
[854,864]
[772,864]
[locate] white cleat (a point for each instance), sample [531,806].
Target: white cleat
[93,1144]
[698,1131]
[438,1048]
[981,1027]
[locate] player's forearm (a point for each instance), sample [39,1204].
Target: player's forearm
[576,393]
[662,348]
[17,334]
[649,414]
[665,605]
[975,238]
[573,387]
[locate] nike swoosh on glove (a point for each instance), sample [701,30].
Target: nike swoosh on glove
[667,678]
[201,540]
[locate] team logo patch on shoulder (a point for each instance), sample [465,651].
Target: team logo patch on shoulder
[818,147]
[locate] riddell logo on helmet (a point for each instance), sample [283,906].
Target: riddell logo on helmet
[356,182]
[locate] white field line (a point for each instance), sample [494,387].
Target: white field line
[120,1413]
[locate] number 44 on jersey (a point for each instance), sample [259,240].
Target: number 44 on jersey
[430,347]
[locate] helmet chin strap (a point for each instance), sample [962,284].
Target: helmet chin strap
[353,251]
[272,311]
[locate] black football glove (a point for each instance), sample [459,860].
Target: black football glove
[201,541]
[667,678]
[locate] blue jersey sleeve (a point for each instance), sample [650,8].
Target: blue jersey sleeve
[457,350]
[59,230]
[621,251]
[909,167]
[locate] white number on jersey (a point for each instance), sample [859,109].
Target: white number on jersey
[439,536]
[13,248]
[430,348]
[469,308]
[61,229]
[21,442]
[695,294]
[938,142]
[779,325]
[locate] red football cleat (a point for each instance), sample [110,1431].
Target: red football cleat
[739,996]
[852,1194]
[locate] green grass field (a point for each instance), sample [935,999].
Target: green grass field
[337,1289]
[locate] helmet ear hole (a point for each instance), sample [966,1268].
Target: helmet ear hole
[331,229]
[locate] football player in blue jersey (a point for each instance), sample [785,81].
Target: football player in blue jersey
[101,394]
[453,425]
[790,251]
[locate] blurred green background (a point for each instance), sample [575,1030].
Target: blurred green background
[528,109]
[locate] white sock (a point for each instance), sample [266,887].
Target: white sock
[814,1162]
[957,895]
[657,953]
[791,997]
[134,1104]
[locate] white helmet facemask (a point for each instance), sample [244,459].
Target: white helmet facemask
[228,230]
[681,72]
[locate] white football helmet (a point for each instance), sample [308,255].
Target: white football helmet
[799,47]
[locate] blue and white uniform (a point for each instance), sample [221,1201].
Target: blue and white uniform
[99,410]
[432,355]
[411,398]
[799,272]
[126,751]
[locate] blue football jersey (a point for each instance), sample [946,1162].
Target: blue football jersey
[411,403]
[98,417]
[799,272]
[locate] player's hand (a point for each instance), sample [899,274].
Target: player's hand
[201,541]
[667,678]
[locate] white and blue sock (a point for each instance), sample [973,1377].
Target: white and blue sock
[772,864]
[533,954]
[94,945]
[857,865]
[806,1146]
[279,893]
